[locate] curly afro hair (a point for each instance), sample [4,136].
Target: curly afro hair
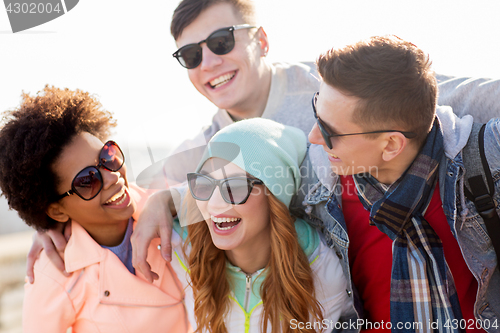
[32,138]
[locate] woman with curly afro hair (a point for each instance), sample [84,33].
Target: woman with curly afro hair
[55,169]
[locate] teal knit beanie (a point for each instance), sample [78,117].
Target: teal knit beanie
[265,149]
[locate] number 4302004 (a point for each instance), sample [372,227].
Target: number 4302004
[32,8]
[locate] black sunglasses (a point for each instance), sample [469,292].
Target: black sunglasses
[219,42]
[327,136]
[235,190]
[88,182]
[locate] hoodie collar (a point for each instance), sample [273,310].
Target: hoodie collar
[456,131]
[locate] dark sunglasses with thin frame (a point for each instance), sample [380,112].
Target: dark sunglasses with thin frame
[88,182]
[234,190]
[327,136]
[219,42]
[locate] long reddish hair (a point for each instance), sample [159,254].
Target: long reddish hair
[287,291]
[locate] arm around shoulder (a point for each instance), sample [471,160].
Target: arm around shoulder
[475,96]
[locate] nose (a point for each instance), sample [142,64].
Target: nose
[209,59]
[315,136]
[216,203]
[109,178]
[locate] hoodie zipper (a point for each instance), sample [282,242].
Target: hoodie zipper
[248,289]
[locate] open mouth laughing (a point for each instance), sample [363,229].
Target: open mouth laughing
[221,80]
[118,198]
[225,223]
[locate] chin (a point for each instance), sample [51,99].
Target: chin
[222,247]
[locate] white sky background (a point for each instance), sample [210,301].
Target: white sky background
[121,51]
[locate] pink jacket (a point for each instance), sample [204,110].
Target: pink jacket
[101,295]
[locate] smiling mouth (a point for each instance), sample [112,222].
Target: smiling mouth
[334,156]
[221,80]
[118,198]
[225,223]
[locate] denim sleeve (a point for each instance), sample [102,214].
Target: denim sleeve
[492,147]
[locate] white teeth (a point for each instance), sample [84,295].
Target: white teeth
[224,219]
[223,228]
[219,220]
[334,156]
[116,196]
[221,80]
[121,201]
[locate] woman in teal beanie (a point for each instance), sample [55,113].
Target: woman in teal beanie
[252,266]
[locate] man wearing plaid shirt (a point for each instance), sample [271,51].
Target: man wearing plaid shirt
[419,254]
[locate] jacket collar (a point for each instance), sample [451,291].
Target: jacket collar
[74,257]
[115,280]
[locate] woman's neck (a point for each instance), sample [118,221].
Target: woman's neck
[108,235]
[250,260]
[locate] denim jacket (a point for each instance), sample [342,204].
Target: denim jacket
[320,198]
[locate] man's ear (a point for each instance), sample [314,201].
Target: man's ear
[395,143]
[263,42]
[56,212]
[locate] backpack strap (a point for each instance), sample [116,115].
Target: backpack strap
[478,175]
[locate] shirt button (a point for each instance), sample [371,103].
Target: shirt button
[106,293]
[348,292]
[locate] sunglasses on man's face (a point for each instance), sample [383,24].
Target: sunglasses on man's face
[219,42]
[327,136]
[88,182]
[234,190]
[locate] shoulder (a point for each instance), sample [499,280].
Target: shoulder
[46,271]
[493,128]
[492,144]
[322,259]
[308,238]
[49,279]
[330,283]
[299,67]
[49,299]
[314,247]
[179,235]
[185,157]
[299,76]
